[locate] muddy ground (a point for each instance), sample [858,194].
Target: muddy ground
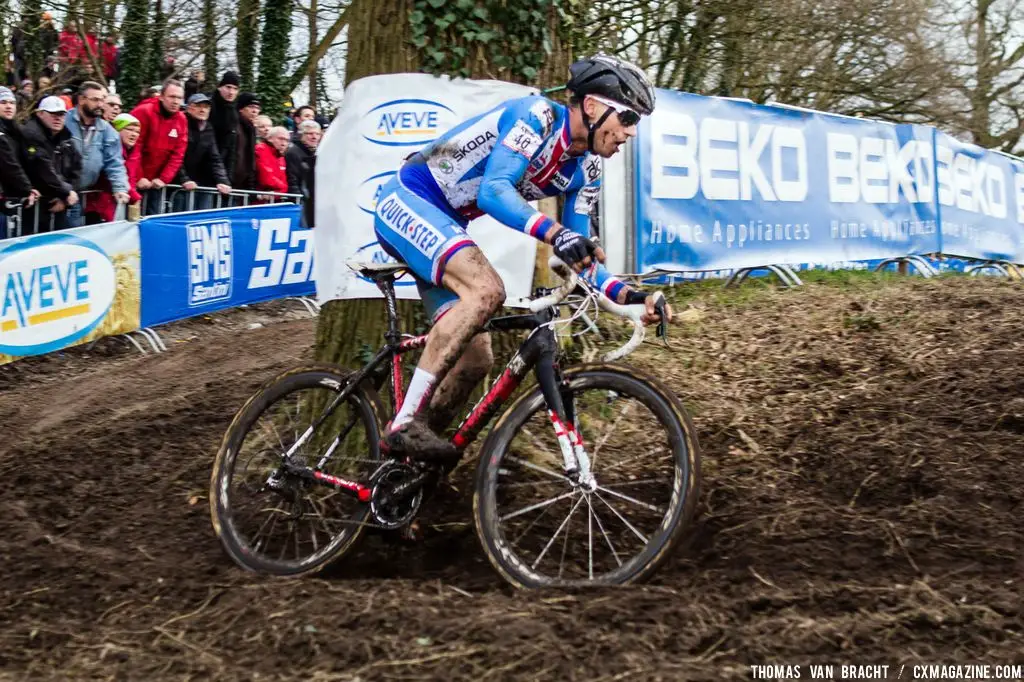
[861,504]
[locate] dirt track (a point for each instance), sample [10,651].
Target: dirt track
[861,504]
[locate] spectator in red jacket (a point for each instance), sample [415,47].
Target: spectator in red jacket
[271,167]
[108,52]
[129,128]
[163,142]
[71,48]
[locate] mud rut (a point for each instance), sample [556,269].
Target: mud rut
[863,468]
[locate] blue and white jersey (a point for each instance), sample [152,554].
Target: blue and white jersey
[496,162]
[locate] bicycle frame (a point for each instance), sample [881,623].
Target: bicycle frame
[539,352]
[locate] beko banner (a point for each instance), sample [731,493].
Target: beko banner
[382,120]
[725,184]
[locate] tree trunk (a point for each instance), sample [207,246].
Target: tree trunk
[210,66]
[135,31]
[311,44]
[158,36]
[248,37]
[379,43]
[277,28]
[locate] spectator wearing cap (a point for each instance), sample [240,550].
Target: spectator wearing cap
[25,94]
[301,163]
[203,166]
[99,145]
[112,107]
[128,129]
[15,187]
[271,166]
[52,164]
[224,119]
[244,176]
[164,140]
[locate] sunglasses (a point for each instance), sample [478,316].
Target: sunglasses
[627,116]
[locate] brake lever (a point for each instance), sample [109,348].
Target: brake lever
[661,331]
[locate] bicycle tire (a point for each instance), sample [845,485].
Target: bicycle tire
[686,460]
[306,376]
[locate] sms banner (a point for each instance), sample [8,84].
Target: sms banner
[981,201]
[67,288]
[725,184]
[194,263]
[382,120]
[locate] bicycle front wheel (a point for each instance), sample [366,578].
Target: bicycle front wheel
[539,528]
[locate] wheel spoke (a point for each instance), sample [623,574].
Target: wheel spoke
[530,465]
[635,501]
[623,519]
[607,434]
[604,533]
[557,531]
[538,505]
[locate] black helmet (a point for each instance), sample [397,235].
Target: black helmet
[615,79]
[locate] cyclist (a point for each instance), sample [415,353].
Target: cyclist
[524,149]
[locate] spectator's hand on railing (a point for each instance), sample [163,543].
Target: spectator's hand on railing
[32,198]
[57,206]
[159,184]
[189,185]
[72,198]
[122,197]
[224,189]
[143,184]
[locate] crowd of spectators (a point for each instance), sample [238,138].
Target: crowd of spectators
[77,154]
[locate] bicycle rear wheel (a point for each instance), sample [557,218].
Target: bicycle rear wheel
[270,520]
[540,529]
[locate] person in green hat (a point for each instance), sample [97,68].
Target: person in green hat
[129,128]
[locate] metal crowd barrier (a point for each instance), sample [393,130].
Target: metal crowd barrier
[177,199]
[170,199]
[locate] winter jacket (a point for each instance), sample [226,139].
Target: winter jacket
[271,171]
[71,49]
[14,182]
[203,164]
[302,177]
[51,160]
[301,160]
[102,155]
[224,117]
[110,60]
[163,141]
[104,204]
[244,175]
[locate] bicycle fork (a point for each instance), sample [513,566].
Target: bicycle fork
[562,413]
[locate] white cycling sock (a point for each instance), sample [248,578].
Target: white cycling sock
[421,388]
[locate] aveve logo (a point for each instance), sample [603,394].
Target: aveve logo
[369,191]
[406,122]
[55,290]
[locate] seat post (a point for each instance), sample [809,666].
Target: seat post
[387,287]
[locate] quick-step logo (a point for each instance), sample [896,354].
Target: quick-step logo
[406,122]
[210,261]
[56,289]
[369,191]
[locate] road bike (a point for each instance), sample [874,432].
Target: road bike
[590,477]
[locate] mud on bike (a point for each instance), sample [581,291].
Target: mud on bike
[589,477]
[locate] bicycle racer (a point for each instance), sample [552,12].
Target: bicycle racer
[494,163]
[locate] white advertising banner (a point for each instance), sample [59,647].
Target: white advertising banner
[382,120]
[64,288]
